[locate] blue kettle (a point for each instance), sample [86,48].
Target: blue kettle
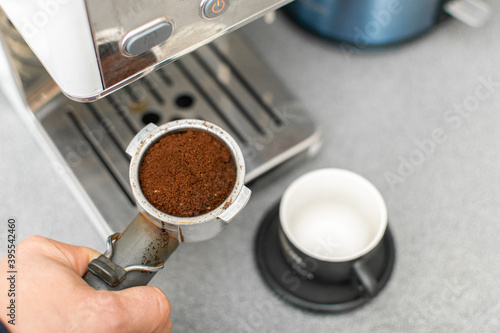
[367,22]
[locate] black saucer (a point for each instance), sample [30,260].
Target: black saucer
[310,294]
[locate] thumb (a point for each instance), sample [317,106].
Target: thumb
[147,309]
[74,257]
[78,257]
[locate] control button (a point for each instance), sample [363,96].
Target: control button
[215,8]
[146,37]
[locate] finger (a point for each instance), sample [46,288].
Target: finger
[74,257]
[147,309]
[168,328]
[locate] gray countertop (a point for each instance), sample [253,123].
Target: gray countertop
[395,116]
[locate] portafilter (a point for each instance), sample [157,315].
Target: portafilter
[134,256]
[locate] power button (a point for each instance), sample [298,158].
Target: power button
[215,8]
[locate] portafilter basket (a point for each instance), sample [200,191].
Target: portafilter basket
[134,256]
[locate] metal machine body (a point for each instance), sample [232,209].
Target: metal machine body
[94,47]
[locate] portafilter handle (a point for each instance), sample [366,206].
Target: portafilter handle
[133,257]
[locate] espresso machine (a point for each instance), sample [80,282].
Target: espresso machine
[92,73]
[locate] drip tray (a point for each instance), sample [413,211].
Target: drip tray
[223,83]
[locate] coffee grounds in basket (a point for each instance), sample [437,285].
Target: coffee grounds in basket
[187,173]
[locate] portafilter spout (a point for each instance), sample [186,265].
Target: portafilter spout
[134,256]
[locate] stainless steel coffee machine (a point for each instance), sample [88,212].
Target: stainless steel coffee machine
[92,47]
[57,54]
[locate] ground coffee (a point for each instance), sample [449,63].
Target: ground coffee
[187,173]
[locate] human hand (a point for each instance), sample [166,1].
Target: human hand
[51,295]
